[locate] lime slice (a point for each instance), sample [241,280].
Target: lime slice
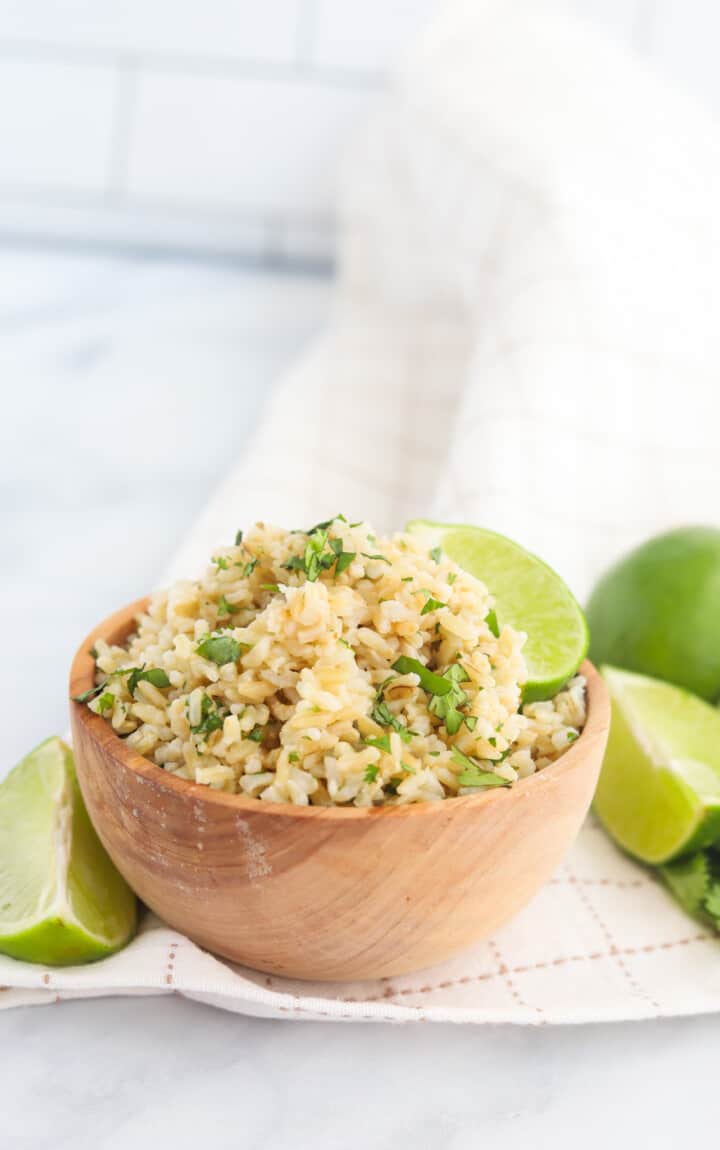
[61,899]
[529,597]
[659,789]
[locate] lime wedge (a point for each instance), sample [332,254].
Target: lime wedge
[659,789]
[529,595]
[61,899]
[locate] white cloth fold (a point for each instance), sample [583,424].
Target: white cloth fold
[526,338]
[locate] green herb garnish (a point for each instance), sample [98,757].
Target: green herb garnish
[269,587]
[154,675]
[572,736]
[492,621]
[473,775]
[382,742]
[383,558]
[256,734]
[225,608]
[431,604]
[247,568]
[221,649]
[447,694]
[371,773]
[429,681]
[220,562]
[436,554]
[293,757]
[106,702]
[210,718]
[452,577]
[238,538]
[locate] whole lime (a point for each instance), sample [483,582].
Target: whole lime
[657,611]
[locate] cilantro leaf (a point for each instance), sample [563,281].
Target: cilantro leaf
[210,718]
[383,558]
[431,604]
[473,775]
[86,696]
[383,716]
[247,568]
[154,675]
[344,560]
[293,757]
[492,621]
[429,681]
[382,743]
[220,562]
[294,563]
[256,734]
[436,554]
[225,608]
[452,577]
[106,702]
[371,773]
[220,649]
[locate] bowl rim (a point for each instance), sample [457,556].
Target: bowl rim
[116,626]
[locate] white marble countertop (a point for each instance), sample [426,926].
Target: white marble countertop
[94,355]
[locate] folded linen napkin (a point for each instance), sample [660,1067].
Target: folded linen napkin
[525,338]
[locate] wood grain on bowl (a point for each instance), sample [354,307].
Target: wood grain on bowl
[328,892]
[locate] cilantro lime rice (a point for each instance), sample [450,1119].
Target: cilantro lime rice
[329,666]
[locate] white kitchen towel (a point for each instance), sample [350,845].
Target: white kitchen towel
[526,337]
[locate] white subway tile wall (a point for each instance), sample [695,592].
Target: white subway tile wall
[220,126]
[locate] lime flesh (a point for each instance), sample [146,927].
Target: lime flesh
[529,597]
[659,789]
[61,899]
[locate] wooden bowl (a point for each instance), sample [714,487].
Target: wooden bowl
[328,892]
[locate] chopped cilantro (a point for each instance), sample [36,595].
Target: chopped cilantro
[293,757]
[407,579]
[210,718]
[406,767]
[572,736]
[294,563]
[225,608]
[345,643]
[220,562]
[371,773]
[382,743]
[344,560]
[358,524]
[452,577]
[247,568]
[432,605]
[383,716]
[238,538]
[86,696]
[473,775]
[154,675]
[436,554]
[106,702]
[220,649]
[324,525]
[256,734]
[429,681]
[471,722]
[383,558]
[492,621]
[269,587]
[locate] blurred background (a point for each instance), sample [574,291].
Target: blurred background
[218,128]
[168,181]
